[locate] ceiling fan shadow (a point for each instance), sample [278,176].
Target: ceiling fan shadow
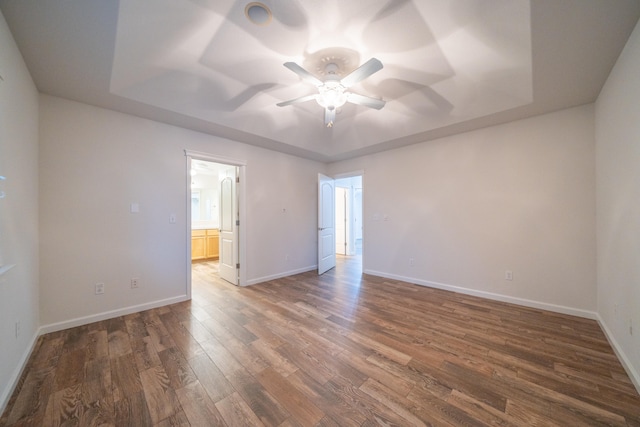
[292,16]
[246,95]
[396,89]
[176,89]
[236,29]
[398,14]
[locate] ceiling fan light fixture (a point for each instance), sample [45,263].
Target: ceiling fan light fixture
[331,95]
[258,13]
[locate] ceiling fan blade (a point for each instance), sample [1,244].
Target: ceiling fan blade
[365,70]
[297,100]
[304,74]
[329,117]
[367,101]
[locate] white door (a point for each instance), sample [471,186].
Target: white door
[326,224]
[228,230]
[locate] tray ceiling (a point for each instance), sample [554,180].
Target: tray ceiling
[449,67]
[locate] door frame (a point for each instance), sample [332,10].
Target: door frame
[363,213]
[240,200]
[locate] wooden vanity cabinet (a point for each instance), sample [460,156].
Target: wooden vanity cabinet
[213,249]
[204,244]
[198,244]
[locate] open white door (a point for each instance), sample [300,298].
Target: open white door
[228,230]
[326,224]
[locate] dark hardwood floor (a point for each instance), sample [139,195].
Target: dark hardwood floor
[341,349]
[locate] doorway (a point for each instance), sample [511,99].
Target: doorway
[349,225]
[215,212]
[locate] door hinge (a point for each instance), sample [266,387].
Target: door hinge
[237,180]
[238,265]
[237,222]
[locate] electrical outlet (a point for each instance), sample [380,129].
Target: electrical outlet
[135,283]
[412,262]
[172,218]
[286,257]
[508,275]
[99,288]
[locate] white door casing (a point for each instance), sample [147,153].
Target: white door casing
[326,224]
[239,204]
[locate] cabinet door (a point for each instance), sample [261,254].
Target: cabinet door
[198,245]
[213,250]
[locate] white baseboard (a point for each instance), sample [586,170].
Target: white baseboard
[13,381]
[79,321]
[489,295]
[624,360]
[280,275]
[53,327]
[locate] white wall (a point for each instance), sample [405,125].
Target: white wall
[95,163]
[18,212]
[519,196]
[617,129]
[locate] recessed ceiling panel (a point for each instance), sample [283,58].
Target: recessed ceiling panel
[444,62]
[449,66]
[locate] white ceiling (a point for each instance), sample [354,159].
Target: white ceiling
[449,66]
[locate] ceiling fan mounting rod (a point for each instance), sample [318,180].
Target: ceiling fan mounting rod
[331,68]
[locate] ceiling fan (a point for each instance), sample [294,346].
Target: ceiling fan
[332,91]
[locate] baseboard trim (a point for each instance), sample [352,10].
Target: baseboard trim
[79,321]
[13,381]
[622,357]
[281,275]
[489,295]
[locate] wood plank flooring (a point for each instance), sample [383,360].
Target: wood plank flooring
[337,350]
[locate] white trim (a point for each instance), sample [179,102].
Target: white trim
[13,380]
[200,155]
[349,174]
[624,360]
[281,275]
[489,295]
[79,321]
[187,233]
